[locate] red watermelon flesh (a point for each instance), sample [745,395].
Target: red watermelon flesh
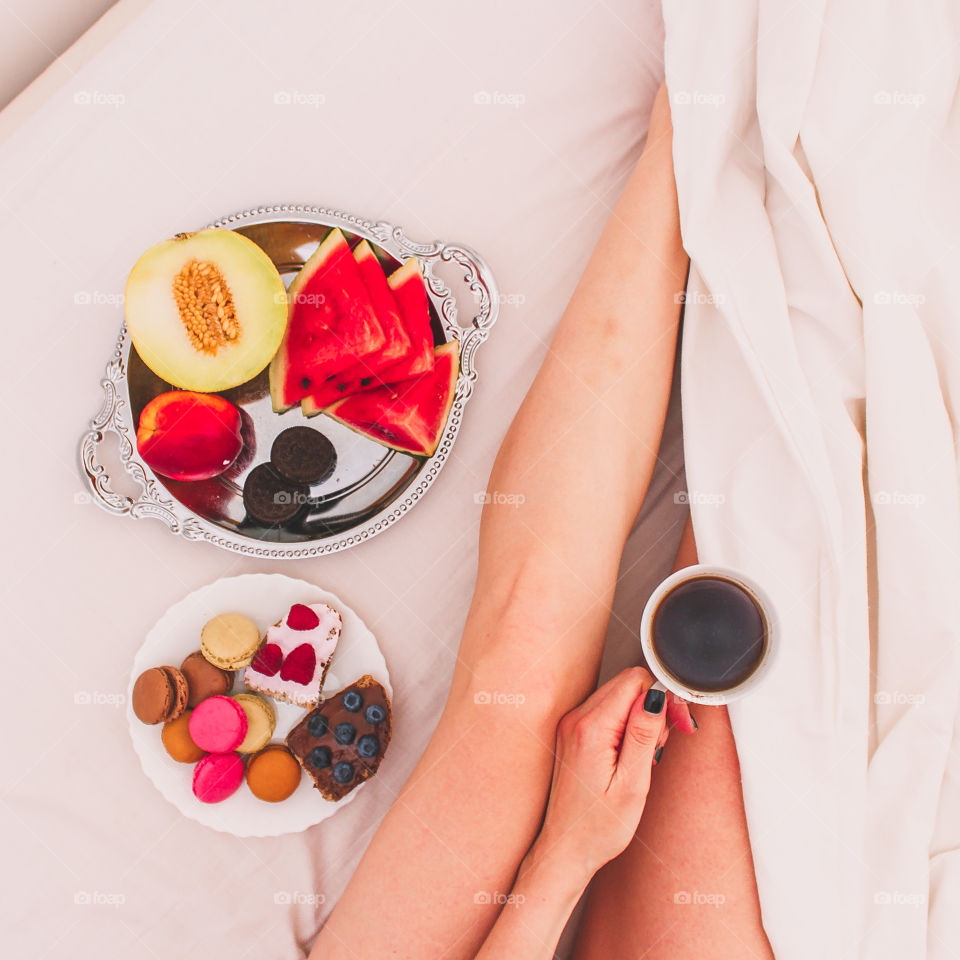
[331,323]
[396,347]
[411,296]
[408,416]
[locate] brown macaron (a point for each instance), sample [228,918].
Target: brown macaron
[204,679]
[160,694]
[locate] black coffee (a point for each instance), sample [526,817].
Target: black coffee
[709,633]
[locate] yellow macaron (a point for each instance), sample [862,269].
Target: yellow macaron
[261,720]
[229,640]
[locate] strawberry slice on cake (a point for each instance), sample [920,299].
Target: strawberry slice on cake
[292,661]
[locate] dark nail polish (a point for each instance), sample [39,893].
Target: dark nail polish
[696,726]
[654,701]
[658,755]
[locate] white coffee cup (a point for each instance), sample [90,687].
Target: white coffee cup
[665,679]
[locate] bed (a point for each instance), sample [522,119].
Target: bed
[511,131]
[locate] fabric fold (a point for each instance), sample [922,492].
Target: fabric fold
[819,404]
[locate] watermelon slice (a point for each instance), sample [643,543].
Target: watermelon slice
[408,416]
[411,296]
[331,324]
[396,347]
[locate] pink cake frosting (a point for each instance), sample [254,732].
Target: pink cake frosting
[283,668]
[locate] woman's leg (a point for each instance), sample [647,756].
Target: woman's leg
[578,459]
[685,886]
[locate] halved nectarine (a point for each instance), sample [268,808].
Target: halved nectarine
[189,436]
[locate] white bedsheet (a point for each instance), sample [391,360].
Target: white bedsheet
[816,150]
[170,123]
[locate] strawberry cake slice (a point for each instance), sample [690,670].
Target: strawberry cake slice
[292,661]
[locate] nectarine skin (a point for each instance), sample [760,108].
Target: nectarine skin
[189,436]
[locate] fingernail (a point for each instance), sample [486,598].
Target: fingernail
[658,755]
[696,726]
[654,701]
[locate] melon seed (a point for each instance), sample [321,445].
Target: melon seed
[206,306]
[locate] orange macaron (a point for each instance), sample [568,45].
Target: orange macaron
[273,774]
[177,740]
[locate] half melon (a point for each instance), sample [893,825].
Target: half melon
[332,324]
[206,311]
[408,416]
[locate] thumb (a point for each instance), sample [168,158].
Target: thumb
[640,738]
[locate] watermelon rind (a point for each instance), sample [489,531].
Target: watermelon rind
[379,414]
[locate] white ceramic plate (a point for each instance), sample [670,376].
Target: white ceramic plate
[264,598]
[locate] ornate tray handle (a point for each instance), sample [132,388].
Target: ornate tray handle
[150,503]
[114,417]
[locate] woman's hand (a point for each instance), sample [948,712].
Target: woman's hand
[605,751]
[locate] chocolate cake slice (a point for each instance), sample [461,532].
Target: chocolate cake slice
[341,741]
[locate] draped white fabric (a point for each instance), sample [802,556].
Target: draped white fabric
[817,148]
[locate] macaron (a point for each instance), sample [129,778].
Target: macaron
[261,719]
[273,774]
[229,640]
[217,777]
[159,694]
[177,740]
[218,725]
[204,679]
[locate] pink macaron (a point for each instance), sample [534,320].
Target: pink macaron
[217,777]
[218,724]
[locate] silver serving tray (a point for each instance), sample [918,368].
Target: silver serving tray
[372,486]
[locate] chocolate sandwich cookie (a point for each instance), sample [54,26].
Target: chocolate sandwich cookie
[340,742]
[303,455]
[159,694]
[270,498]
